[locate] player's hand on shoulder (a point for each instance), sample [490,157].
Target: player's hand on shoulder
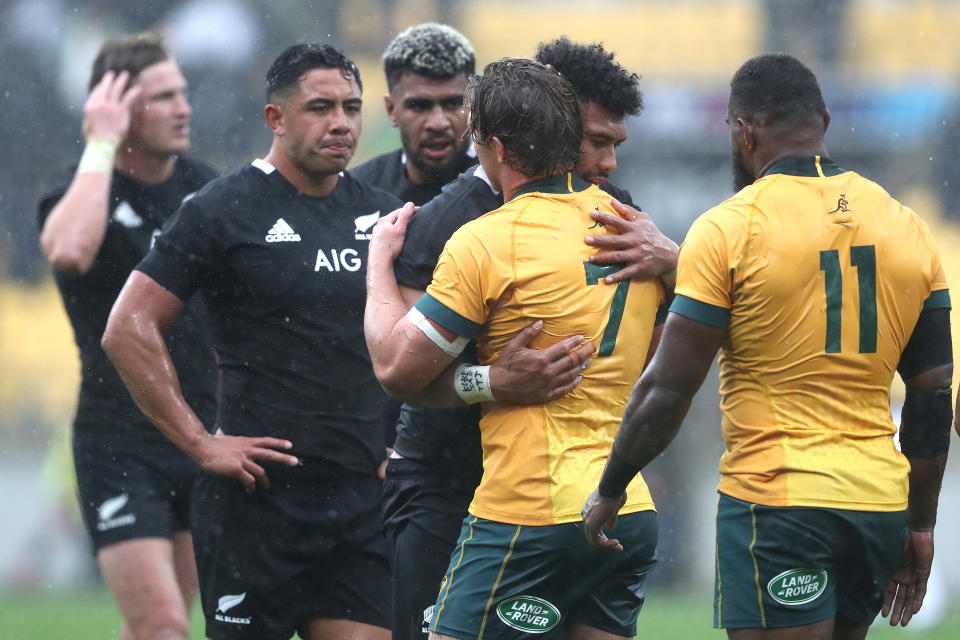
[906,590]
[238,457]
[523,375]
[390,232]
[599,512]
[635,242]
[106,115]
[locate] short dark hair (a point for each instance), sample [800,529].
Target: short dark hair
[283,77]
[593,73]
[533,110]
[132,54]
[432,50]
[777,89]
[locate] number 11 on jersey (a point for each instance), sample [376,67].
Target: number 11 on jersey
[864,258]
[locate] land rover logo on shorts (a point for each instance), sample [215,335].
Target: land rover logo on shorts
[526,613]
[798,586]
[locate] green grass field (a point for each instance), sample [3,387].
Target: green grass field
[93,616]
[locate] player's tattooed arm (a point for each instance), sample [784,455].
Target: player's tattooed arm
[134,342]
[656,408]
[635,242]
[74,230]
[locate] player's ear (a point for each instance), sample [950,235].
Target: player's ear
[826,119]
[500,149]
[273,113]
[391,108]
[746,134]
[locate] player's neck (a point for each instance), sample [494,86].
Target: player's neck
[144,167]
[512,181]
[311,185]
[782,152]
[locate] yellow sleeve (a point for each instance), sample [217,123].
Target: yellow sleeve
[473,274]
[703,270]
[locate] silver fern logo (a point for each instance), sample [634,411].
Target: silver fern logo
[107,512]
[225,603]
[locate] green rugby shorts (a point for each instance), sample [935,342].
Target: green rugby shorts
[791,566]
[513,581]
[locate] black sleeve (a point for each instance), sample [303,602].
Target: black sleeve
[52,197]
[186,252]
[930,344]
[926,418]
[620,194]
[421,250]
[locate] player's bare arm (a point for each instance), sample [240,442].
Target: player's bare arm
[74,231]
[521,375]
[134,342]
[656,409]
[924,439]
[404,359]
[637,243]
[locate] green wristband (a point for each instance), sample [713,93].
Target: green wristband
[98,156]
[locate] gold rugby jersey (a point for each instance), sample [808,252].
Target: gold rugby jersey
[819,276]
[499,273]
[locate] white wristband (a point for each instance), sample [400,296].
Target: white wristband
[472,383]
[98,156]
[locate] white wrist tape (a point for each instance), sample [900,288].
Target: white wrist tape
[98,156]
[472,383]
[452,348]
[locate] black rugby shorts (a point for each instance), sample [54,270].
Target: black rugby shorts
[308,547]
[131,487]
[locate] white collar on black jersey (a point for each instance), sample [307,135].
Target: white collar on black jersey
[478,172]
[264,166]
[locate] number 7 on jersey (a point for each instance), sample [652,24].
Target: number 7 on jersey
[594,273]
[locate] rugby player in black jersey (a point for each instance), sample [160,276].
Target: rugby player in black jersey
[288,517]
[437,459]
[427,67]
[97,224]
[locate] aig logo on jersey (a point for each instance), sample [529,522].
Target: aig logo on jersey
[226,603]
[363,226]
[282,232]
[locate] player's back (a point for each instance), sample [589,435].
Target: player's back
[540,461]
[827,277]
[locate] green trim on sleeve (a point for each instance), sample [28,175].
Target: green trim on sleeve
[446,317]
[701,312]
[939,299]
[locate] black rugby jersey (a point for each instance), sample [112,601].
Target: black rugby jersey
[388,171]
[448,440]
[282,274]
[137,212]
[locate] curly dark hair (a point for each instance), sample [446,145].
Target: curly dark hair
[432,50]
[132,54]
[532,110]
[283,77]
[595,76]
[776,89]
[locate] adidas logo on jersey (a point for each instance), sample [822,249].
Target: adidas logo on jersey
[282,232]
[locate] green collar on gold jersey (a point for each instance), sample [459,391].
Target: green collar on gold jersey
[563,183]
[808,167]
